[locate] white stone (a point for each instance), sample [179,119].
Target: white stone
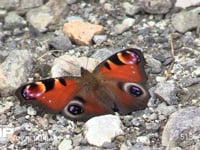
[185,3]
[128,22]
[143,139]
[31,111]
[101,129]
[66,144]
[5,106]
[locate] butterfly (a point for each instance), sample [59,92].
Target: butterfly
[116,85]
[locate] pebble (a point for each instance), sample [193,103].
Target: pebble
[167,91]
[31,111]
[154,64]
[153,127]
[74,18]
[66,144]
[82,32]
[5,106]
[15,70]
[131,9]
[60,43]
[99,39]
[166,110]
[41,17]
[189,81]
[99,130]
[185,3]
[143,139]
[126,24]
[13,20]
[196,72]
[182,129]
[186,20]
[156,6]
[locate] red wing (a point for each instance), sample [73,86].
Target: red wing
[127,65]
[53,94]
[124,76]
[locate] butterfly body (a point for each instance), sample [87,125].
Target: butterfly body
[115,85]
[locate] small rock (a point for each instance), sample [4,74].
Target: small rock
[60,43]
[13,20]
[5,105]
[189,81]
[154,64]
[102,129]
[197,72]
[131,9]
[74,18]
[126,24]
[98,39]
[182,129]
[143,139]
[137,122]
[24,6]
[71,1]
[70,65]
[167,91]
[185,3]
[2,13]
[186,20]
[82,32]
[8,4]
[136,146]
[66,144]
[153,127]
[47,14]
[156,6]
[15,70]
[166,110]
[103,53]
[31,111]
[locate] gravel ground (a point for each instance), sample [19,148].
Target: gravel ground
[31,39]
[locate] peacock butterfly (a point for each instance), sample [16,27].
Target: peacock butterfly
[115,85]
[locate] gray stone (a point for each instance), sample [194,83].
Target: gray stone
[131,9]
[154,64]
[186,20]
[74,18]
[13,20]
[98,39]
[9,4]
[156,6]
[126,24]
[167,91]
[48,14]
[153,127]
[15,70]
[166,110]
[182,129]
[189,81]
[60,43]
